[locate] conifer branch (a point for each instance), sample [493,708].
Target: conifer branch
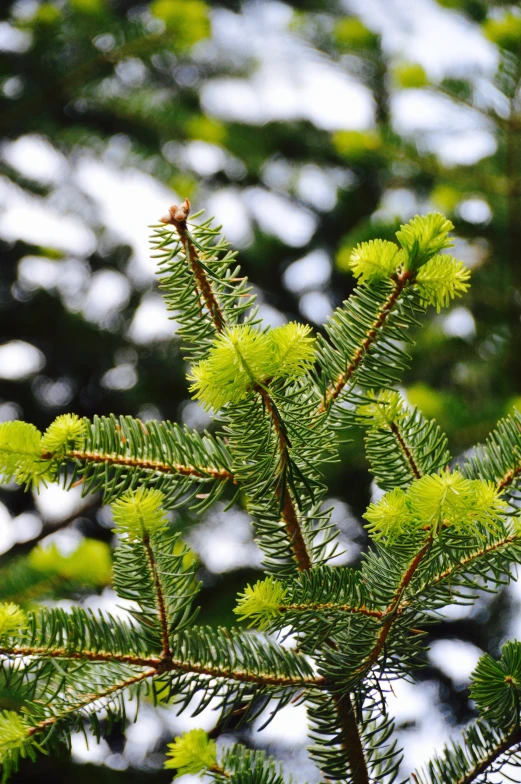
[393,610]
[511,740]
[351,741]
[200,472]
[289,512]
[166,653]
[395,430]
[400,281]
[161,665]
[83,655]
[333,607]
[90,699]
[242,676]
[509,478]
[461,565]
[177,217]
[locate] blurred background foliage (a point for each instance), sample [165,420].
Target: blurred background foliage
[305,129]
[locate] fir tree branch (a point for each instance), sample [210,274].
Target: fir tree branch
[289,512]
[241,676]
[160,666]
[177,217]
[166,652]
[512,739]
[395,430]
[392,611]
[200,472]
[347,608]
[509,478]
[401,281]
[460,566]
[351,741]
[91,698]
[84,655]
[483,763]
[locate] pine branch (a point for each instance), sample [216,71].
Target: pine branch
[478,562]
[84,655]
[483,751]
[401,444]
[161,665]
[351,741]
[199,472]
[499,459]
[178,217]
[166,653]
[391,613]
[400,282]
[330,607]
[119,454]
[415,470]
[288,510]
[90,699]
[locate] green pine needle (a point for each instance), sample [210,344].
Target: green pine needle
[261,603]
[435,502]
[384,408]
[375,260]
[496,686]
[12,619]
[243,357]
[66,432]
[138,514]
[440,280]
[423,237]
[20,454]
[191,753]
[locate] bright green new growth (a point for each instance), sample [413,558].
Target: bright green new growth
[20,454]
[391,517]
[138,515]
[12,619]
[375,260]
[436,502]
[382,410]
[66,431]
[13,735]
[437,278]
[439,533]
[260,603]
[441,279]
[423,237]
[244,357]
[192,753]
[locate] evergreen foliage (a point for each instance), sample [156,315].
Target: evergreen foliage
[439,534]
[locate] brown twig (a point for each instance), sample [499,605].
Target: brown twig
[201,472]
[177,217]
[329,606]
[400,282]
[351,742]
[166,652]
[395,430]
[159,665]
[289,513]
[393,610]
